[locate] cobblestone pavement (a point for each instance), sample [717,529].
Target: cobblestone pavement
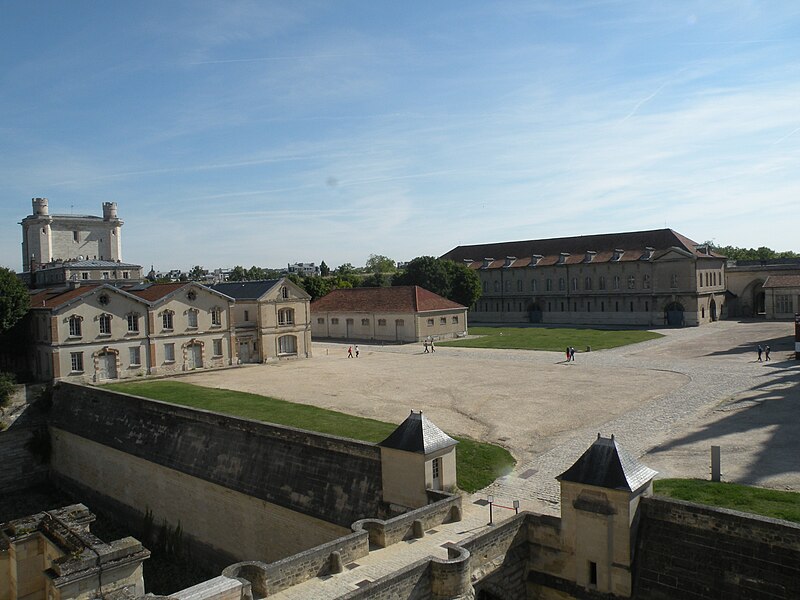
[666,400]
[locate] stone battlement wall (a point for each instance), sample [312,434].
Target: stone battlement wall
[329,478]
[686,550]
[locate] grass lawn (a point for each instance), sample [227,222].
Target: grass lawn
[478,463]
[551,338]
[761,501]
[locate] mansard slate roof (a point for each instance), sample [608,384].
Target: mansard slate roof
[606,464]
[782,281]
[418,434]
[245,290]
[635,245]
[53,297]
[401,299]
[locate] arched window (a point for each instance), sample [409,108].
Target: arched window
[587,284]
[133,322]
[105,324]
[286,316]
[166,319]
[562,284]
[616,282]
[548,285]
[287,344]
[508,286]
[284,292]
[574,284]
[601,284]
[216,317]
[191,317]
[533,285]
[75,326]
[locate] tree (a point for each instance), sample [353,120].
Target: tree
[197,273]
[465,284]
[324,269]
[376,280]
[452,280]
[14,299]
[317,287]
[761,253]
[255,273]
[427,272]
[345,269]
[377,263]
[238,273]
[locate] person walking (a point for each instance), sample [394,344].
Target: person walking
[759,350]
[766,353]
[425,345]
[356,350]
[572,353]
[567,353]
[433,349]
[350,352]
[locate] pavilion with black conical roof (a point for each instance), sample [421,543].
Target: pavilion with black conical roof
[600,496]
[416,457]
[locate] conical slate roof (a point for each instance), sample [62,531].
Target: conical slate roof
[606,464]
[418,434]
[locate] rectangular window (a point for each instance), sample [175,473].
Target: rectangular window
[166,320]
[133,323]
[632,282]
[75,326]
[602,283]
[616,282]
[169,352]
[381,322]
[216,317]
[334,321]
[436,467]
[574,284]
[592,573]
[85,276]
[217,347]
[76,362]
[247,317]
[455,320]
[673,281]
[135,356]
[783,304]
[192,318]
[75,236]
[646,282]
[548,285]
[562,284]
[105,275]
[126,275]
[400,322]
[320,320]
[430,322]
[442,320]
[365,322]
[587,284]
[105,324]
[519,285]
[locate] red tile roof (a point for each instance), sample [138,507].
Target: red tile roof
[155,291]
[634,244]
[402,299]
[52,297]
[782,281]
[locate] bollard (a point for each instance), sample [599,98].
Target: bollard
[716,472]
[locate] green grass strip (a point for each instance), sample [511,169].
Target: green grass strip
[555,339]
[761,501]
[479,463]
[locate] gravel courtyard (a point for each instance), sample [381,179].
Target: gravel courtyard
[666,400]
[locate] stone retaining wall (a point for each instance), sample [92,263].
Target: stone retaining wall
[695,552]
[330,478]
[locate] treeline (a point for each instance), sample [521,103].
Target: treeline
[762,253]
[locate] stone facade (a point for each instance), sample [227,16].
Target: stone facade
[47,237]
[393,314]
[641,278]
[101,332]
[272,319]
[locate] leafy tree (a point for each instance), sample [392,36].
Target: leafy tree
[14,299]
[377,263]
[255,273]
[238,273]
[197,273]
[376,280]
[317,287]
[465,284]
[345,269]
[761,253]
[324,269]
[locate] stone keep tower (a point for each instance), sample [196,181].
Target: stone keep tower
[600,496]
[46,237]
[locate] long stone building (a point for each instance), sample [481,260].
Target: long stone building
[642,278]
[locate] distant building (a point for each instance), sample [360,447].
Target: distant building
[57,249]
[271,318]
[645,278]
[304,269]
[396,314]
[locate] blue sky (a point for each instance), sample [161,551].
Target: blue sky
[273,132]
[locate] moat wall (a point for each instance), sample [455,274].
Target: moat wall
[241,489]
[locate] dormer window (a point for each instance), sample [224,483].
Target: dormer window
[535,258]
[589,256]
[617,254]
[509,261]
[648,253]
[562,258]
[487,262]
